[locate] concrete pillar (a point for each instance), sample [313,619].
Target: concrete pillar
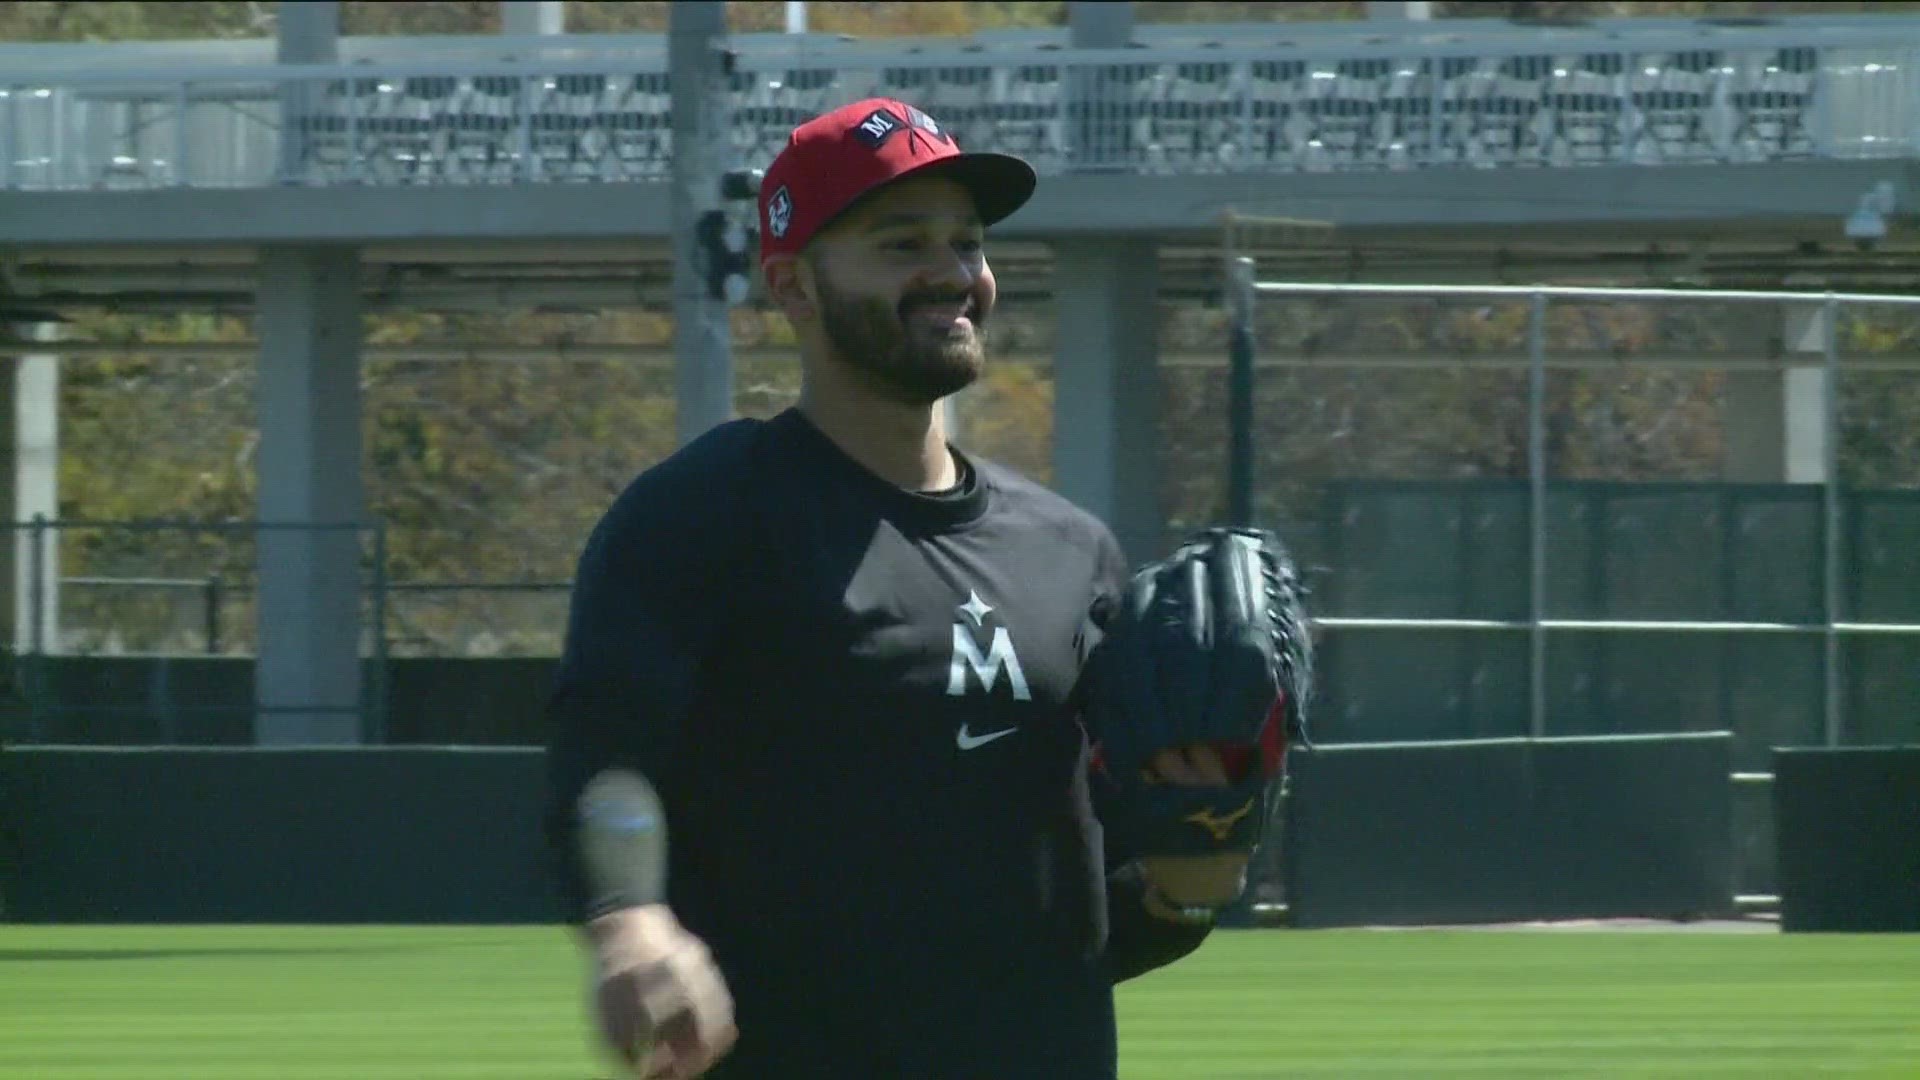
[530,18]
[307,674]
[1804,394]
[1099,24]
[1399,10]
[702,339]
[1776,421]
[1099,138]
[30,486]
[15,552]
[307,32]
[1105,383]
[36,493]
[1106,389]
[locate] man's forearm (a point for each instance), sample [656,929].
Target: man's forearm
[623,842]
[606,833]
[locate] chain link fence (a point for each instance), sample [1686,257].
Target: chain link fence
[1563,511]
[1556,511]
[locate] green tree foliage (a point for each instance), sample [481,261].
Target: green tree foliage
[1321,418]
[1880,409]
[494,470]
[114,20]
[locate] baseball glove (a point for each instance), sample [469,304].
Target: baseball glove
[1207,646]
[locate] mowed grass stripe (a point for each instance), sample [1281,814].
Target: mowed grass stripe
[302,1003]
[1473,1003]
[477,1003]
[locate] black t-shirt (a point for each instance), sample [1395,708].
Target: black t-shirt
[854,700]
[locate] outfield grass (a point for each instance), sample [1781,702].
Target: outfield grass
[377,1003]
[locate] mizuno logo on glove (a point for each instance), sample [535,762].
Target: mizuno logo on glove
[1220,827]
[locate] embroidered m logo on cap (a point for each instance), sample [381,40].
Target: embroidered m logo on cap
[877,128]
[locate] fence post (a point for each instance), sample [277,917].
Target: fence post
[1537,516]
[33,669]
[9,97]
[211,598]
[37,590]
[33,665]
[1830,492]
[1240,393]
[376,684]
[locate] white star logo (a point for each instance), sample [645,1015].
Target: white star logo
[975,609]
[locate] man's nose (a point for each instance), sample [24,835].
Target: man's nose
[950,268]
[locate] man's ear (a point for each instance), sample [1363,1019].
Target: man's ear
[790,286]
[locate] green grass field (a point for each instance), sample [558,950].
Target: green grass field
[377,1003]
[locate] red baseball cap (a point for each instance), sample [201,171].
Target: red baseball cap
[832,160]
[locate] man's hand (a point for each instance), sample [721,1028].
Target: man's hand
[660,1003]
[1208,881]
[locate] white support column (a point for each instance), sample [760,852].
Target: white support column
[307,674]
[1399,10]
[1106,387]
[532,18]
[1804,396]
[36,492]
[1776,421]
[702,338]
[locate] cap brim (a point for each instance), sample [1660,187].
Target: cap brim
[1000,183]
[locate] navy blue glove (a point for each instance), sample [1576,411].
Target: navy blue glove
[1207,647]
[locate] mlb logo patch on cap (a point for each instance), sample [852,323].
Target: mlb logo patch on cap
[925,123]
[779,213]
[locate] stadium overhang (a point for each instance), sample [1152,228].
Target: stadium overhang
[1641,199]
[605,245]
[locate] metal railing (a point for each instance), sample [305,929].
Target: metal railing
[1244,291]
[211,593]
[405,615]
[1334,104]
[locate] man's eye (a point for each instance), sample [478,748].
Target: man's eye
[912,245]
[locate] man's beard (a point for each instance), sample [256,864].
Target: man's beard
[876,339]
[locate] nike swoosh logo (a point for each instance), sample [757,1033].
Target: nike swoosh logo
[970,742]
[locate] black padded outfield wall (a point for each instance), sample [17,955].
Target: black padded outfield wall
[393,835]
[1847,826]
[1638,551]
[1416,833]
[1511,830]
[208,701]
